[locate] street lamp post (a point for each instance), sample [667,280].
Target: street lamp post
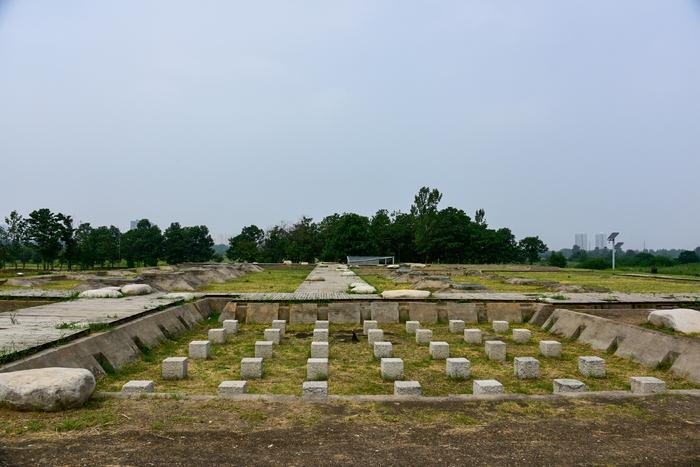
[615,246]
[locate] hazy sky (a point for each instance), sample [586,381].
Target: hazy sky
[555,116]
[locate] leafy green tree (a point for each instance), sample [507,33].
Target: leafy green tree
[44,230]
[67,232]
[4,247]
[84,246]
[424,209]
[557,260]
[174,244]
[450,239]
[17,238]
[144,244]
[687,257]
[244,246]
[402,234]
[303,241]
[349,235]
[532,248]
[199,244]
[380,233]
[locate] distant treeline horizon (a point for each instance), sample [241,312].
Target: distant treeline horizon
[425,233]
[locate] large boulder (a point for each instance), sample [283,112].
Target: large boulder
[136,289]
[47,389]
[679,319]
[408,293]
[363,289]
[106,292]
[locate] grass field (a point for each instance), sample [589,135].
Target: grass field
[382,283]
[63,284]
[269,280]
[353,369]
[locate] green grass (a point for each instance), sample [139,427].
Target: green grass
[63,284]
[382,283]
[353,369]
[269,280]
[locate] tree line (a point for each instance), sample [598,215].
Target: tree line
[425,233]
[47,238]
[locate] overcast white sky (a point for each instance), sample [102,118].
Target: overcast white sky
[555,116]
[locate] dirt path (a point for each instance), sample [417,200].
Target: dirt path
[656,431]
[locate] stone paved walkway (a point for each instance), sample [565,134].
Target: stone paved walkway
[333,280]
[42,325]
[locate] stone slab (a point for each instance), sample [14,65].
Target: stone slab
[423,312]
[384,312]
[262,313]
[407,388]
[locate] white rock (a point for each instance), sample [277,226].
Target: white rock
[680,319]
[136,289]
[363,289]
[406,294]
[286,261]
[347,273]
[100,293]
[392,266]
[46,388]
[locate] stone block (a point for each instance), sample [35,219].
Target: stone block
[456,326]
[439,350]
[647,385]
[217,336]
[138,387]
[232,388]
[500,327]
[281,325]
[375,335]
[263,349]
[407,388]
[391,369]
[321,324]
[344,313]
[526,367]
[423,336]
[320,335]
[495,350]
[383,350]
[423,312]
[568,385]
[303,313]
[251,368]
[229,312]
[262,313]
[487,386]
[550,349]
[231,326]
[369,324]
[472,336]
[412,326]
[591,366]
[314,390]
[174,368]
[199,349]
[462,311]
[384,312]
[521,336]
[317,369]
[319,350]
[273,335]
[458,368]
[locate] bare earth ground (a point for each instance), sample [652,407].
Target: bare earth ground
[660,430]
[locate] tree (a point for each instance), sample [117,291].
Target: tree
[402,236]
[380,233]
[174,244]
[144,244]
[199,244]
[450,238]
[84,246]
[424,209]
[303,241]
[4,247]
[532,248]
[67,233]
[16,238]
[687,257]
[44,230]
[348,235]
[244,246]
[557,260]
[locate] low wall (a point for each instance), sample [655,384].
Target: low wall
[646,346]
[120,345]
[383,311]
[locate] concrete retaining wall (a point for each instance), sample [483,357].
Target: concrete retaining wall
[118,346]
[384,311]
[643,345]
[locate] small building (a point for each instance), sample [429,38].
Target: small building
[370,260]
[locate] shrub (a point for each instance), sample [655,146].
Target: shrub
[557,260]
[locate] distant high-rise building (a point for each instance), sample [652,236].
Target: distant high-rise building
[133,224]
[600,241]
[581,241]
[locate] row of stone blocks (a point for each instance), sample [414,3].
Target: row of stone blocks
[319,389]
